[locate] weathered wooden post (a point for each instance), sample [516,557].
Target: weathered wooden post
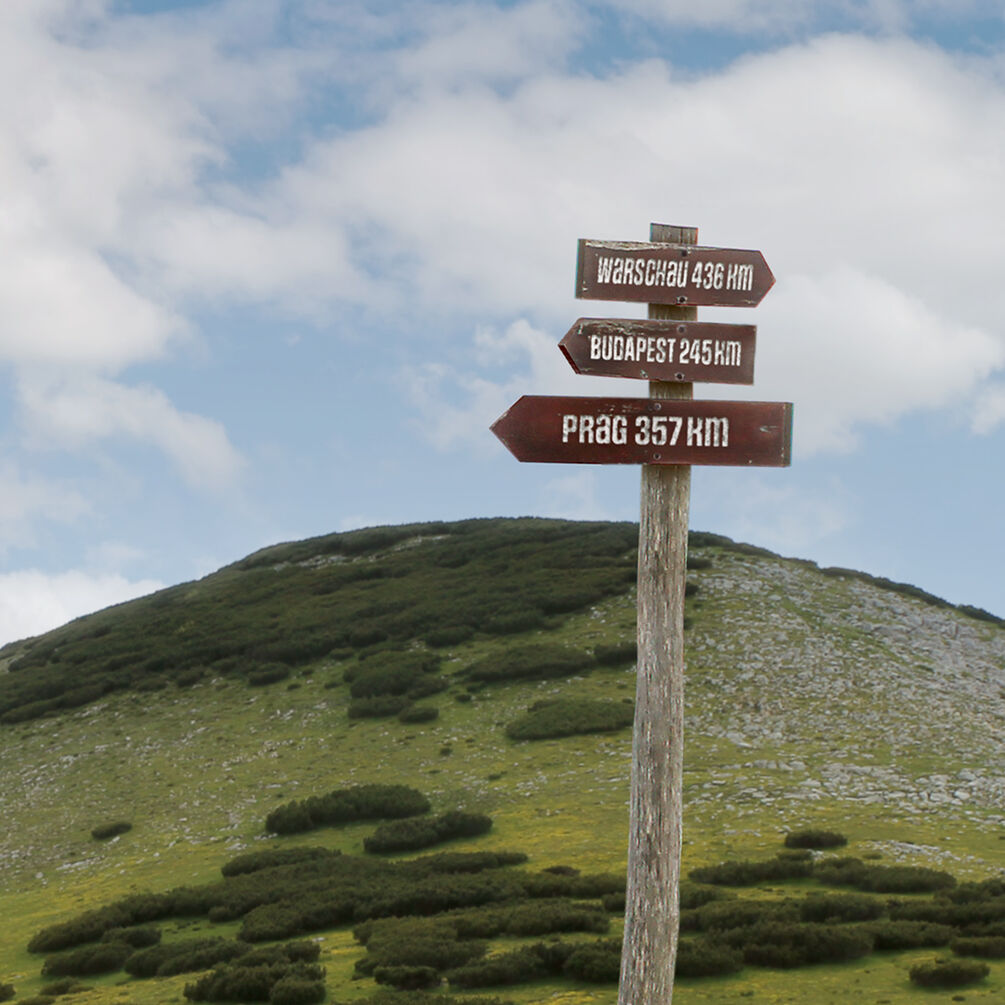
[652,912]
[666,433]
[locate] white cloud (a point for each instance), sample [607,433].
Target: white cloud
[33,602]
[989,409]
[26,500]
[72,413]
[574,496]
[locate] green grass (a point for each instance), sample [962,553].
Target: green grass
[196,770]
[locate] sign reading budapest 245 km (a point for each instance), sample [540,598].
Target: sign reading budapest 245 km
[661,350]
[559,429]
[671,274]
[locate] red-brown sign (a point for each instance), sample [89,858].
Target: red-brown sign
[671,274]
[647,431]
[661,350]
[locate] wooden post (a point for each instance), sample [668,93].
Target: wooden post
[652,912]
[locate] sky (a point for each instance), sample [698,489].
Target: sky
[271,268]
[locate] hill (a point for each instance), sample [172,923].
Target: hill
[487,665]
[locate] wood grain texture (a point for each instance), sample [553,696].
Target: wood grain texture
[652,910]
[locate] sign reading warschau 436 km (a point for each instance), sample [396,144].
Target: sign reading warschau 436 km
[647,431]
[661,350]
[671,274]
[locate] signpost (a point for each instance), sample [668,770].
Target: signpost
[666,433]
[661,350]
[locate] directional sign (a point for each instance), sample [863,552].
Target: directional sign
[661,350]
[647,431]
[671,274]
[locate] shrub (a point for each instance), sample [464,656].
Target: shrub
[733,914]
[138,938]
[908,934]
[86,961]
[449,635]
[268,673]
[515,967]
[570,716]
[418,713]
[795,945]
[882,878]
[7,991]
[989,947]
[182,957]
[748,873]
[110,830]
[380,707]
[407,978]
[616,655]
[815,839]
[698,958]
[296,991]
[255,861]
[415,833]
[948,973]
[841,907]
[597,962]
[342,806]
[530,662]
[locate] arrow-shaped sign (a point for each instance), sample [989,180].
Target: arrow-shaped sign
[661,350]
[684,274]
[647,431]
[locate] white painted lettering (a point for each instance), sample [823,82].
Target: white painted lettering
[595,343]
[618,271]
[569,423]
[717,432]
[604,266]
[619,429]
[695,430]
[586,429]
[733,351]
[706,351]
[603,427]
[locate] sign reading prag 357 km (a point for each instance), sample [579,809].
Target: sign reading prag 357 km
[683,274]
[556,429]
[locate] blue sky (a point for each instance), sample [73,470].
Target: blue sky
[271,268]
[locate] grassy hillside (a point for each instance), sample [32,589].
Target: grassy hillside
[422,656]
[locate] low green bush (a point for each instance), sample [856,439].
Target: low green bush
[750,873]
[828,909]
[268,673]
[542,661]
[113,829]
[7,991]
[86,961]
[418,713]
[787,945]
[617,654]
[896,935]
[557,717]
[380,707]
[948,973]
[137,937]
[882,878]
[297,991]
[342,806]
[815,839]
[699,958]
[595,962]
[407,978]
[422,832]
[255,861]
[988,948]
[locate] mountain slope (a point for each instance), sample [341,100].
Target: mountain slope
[820,698]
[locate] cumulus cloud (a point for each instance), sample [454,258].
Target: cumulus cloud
[27,498]
[71,413]
[32,602]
